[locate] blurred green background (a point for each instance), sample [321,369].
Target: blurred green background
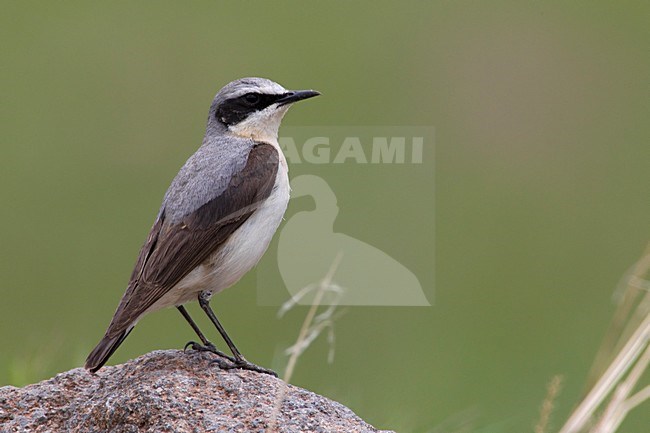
[541,173]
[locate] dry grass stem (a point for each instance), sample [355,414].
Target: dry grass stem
[306,327]
[629,335]
[620,404]
[311,328]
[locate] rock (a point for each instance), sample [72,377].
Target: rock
[170,391]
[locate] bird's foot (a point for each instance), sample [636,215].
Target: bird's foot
[243,364]
[209,348]
[234,363]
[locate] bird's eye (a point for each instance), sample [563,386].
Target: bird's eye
[252,98]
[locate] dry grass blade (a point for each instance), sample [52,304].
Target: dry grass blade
[620,404]
[631,328]
[628,295]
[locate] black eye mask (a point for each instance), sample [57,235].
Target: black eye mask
[233,111]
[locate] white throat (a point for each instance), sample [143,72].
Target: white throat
[262,125]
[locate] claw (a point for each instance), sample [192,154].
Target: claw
[192,344]
[222,364]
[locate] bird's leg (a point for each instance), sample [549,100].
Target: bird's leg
[240,361]
[207,345]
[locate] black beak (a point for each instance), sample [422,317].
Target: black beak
[295,96]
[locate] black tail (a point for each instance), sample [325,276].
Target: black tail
[104,350]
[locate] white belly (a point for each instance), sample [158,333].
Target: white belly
[239,254]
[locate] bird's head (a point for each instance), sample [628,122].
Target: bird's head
[253,108]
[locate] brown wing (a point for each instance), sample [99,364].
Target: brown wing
[174,250]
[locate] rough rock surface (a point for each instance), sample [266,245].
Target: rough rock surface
[170,391]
